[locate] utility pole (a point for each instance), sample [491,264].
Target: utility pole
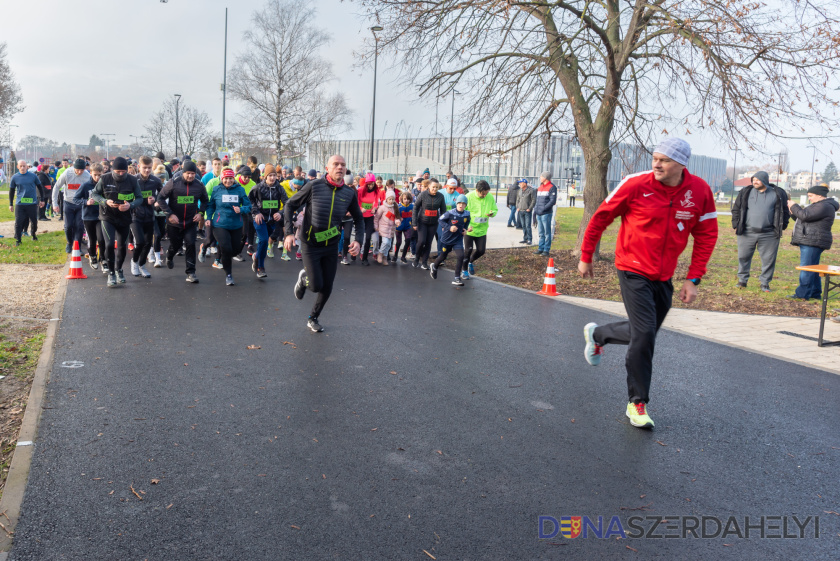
[374,29]
[107,144]
[177,101]
[224,83]
[734,165]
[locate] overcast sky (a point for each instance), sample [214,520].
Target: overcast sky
[103,66]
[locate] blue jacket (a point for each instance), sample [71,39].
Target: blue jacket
[25,189]
[546,198]
[220,208]
[454,218]
[89,212]
[405,217]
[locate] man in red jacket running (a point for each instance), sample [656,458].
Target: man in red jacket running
[658,210]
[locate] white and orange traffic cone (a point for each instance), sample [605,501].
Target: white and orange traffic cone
[549,287]
[76,271]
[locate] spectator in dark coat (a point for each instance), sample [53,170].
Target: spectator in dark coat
[812,233]
[513,192]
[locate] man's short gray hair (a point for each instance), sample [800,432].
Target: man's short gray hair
[546,175]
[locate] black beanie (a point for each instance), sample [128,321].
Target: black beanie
[120,164]
[821,190]
[79,164]
[189,165]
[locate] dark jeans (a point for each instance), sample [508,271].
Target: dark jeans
[177,238]
[810,284]
[470,255]
[525,221]
[445,250]
[73,225]
[114,233]
[144,237]
[25,215]
[230,244]
[368,236]
[321,264]
[647,303]
[512,218]
[95,237]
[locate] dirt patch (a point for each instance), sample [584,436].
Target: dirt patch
[29,290]
[520,267]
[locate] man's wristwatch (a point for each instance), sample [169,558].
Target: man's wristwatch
[695,282]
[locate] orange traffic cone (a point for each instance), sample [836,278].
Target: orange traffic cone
[549,287]
[76,271]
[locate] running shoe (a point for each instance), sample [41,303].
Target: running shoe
[314,326]
[300,285]
[471,269]
[135,269]
[105,270]
[403,261]
[254,262]
[415,264]
[593,350]
[120,276]
[131,247]
[201,254]
[465,275]
[68,249]
[238,258]
[433,271]
[365,263]
[158,264]
[229,280]
[458,281]
[169,263]
[269,252]
[285,257]
[298,256]
[144,273]
[261,274]
[112,280]
[345,261]
[214,250]
[217,264]
[637,413]
[94,264]
[425,266]
[191,278]
[34,238]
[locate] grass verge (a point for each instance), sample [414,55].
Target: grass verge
[47,250]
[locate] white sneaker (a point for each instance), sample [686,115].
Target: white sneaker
[135,269]
[144,273]
[158,263]
[593,351]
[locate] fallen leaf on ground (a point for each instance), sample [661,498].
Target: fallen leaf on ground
[155,481]
[253,347]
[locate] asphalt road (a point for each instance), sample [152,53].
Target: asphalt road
[425,417]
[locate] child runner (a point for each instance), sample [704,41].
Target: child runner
[428,207]
[404,230]
[455,222]
[449,195]
[385,223]
[368,195]
[90,219]
[482,208]
[267,199]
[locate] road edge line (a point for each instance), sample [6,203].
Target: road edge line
[18,476]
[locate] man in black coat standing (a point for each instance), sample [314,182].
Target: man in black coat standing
[812,233]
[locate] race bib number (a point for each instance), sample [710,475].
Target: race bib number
[367,206]
[431,212]
[230,199]
[481,220]
[389,215]
[27,200]
[74,186]
[126,196]
[186,200]
[324,236]
[271,204]
[146,194]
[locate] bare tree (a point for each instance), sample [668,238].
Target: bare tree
[613,71]
[281,77]
[194,128]
[11,101]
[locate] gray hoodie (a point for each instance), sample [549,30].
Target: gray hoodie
[69,184]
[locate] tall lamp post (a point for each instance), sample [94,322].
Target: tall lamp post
[451,128]
[813,160]
[734,165]
[374,29]
[11,169]
[135,137]
[177,101]
[107,144]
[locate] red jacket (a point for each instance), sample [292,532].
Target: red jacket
[368,201]
[656,221]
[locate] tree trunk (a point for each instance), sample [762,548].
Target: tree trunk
[597,161]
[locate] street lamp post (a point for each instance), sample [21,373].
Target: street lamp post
[734,165]
[224,83]
[107,144]
[177,101]
[11,169]
[813,160]
[135,137]
[374,29]
[451,128]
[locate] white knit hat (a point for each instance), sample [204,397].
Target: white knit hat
[390,193]
[675,148]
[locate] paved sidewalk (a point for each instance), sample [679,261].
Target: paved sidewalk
[793,339]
